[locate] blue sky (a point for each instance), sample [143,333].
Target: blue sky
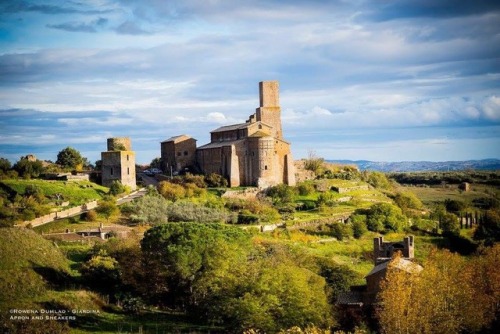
[376,80]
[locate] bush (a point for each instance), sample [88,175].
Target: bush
[193,212]
[326,199]
[340,231]
[214,180]
[171,191]
[383,217]
[247,218]
[91,216]
[305,189]
[118,188]
[358,225]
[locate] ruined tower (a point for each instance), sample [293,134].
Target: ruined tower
[118,163]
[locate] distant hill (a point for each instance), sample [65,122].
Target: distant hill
[414,166]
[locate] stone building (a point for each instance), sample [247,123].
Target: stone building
[178,153]
[383,250]
[118,163]
[253,153]
[382,254]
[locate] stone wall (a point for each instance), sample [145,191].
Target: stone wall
[60,214]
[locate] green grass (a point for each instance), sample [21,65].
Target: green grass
[431,195]
[75,192]
[28,266]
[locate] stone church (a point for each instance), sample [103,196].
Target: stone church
[253,153]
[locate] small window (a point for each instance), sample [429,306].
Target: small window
[127,157]
[185,152]
[179,154]
[128,170]
[265,167]
[111,171]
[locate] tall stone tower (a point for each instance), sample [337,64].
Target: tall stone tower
[118,163]
[269,111]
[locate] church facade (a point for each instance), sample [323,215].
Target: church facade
[253,153]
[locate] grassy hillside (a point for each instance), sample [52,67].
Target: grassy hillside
[29,267]
[74,192]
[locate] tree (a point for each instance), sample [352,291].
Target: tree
[376,179]
[314,163]
[70,158]
[108,208]
[385,216]
[489,228]
[408,201]
[214,272]
[448,296]
[358,225]
[281,194]
[155,163]
[28,169]
[5,164]
[101,272]
[449,224]
[454,206]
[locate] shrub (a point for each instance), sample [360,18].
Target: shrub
[358,225]
[305,189]
[91,216]
[118,188]
[198,180]
[247,218]
[171,191]
[193,212]
[340,231]
[281,193]
[149,209]
[326,199]
[216,181]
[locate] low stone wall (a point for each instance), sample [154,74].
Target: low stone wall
[342,190]
[60,214]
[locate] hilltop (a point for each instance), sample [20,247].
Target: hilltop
[420,166]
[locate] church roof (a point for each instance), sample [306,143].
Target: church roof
[401,264]
[231,127]
[177,139]
[350,298]
[260,134]
[218,144]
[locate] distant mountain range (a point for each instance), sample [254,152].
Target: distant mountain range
[420,166]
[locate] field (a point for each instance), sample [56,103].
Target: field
[434,194]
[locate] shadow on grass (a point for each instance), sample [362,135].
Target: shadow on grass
[456,244]
[57,279]
[146,322]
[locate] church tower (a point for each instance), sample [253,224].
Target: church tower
[269,111]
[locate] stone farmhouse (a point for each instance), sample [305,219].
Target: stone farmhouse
[118,163]
[253,153]
[383,251]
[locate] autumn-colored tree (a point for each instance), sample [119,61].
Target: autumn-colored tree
[444,298]
[171,191]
